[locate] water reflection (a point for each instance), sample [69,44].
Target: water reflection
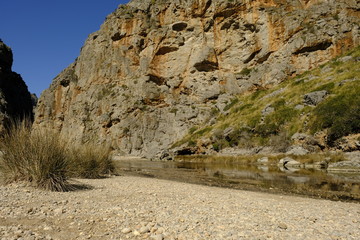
[314,183]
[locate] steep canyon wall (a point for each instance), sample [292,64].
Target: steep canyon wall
[156,68]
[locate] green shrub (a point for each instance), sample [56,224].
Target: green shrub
[214,112]
[328,87]
[238,137]
[242,107]
[192,143]
[267,129]
[216,147]
[280,142]
[174,110]
[203,131]
[220,144]
[340,115]
[274,122]
[37,156]
[245,71]
[193,129]
[278,104]
[231,104]
[259,93]
[242,138]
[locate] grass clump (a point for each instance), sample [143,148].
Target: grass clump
[42,158]
[90,161]
[231,104]
[37,156]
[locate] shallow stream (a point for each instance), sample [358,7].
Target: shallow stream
[313,183]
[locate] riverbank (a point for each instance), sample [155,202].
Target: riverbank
[128,207]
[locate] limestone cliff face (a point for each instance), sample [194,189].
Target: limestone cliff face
[15,100]
[157,68]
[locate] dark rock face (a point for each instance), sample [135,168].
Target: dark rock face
[15,99]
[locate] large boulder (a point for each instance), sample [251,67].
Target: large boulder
[289,162]
[297,150]
[314,98]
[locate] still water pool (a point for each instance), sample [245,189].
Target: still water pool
[313,183]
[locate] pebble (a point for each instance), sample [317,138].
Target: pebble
[126,230]
[144,230]
[157,237]
[112,209]
[48,228]
[59,211]
[283,226]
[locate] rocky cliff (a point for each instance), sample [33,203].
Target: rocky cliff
[15,100]
[156,68]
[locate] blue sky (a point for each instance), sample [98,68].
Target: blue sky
[46,36]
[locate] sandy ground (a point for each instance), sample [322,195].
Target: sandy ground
[128,207]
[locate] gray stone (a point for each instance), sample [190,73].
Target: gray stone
[267,110]
[283,226]
[144,230]
[346,59]
[126,230]
[314,98]
[343,82]
[223,100]
[228,131]
[299,136]
[275,93]
[349,165]
[297,150]
[157,237]
[299,107]
[59,211]
[167,155]
[289,162]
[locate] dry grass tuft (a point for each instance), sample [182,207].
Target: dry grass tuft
[45,160]
[36,156]
[90,161]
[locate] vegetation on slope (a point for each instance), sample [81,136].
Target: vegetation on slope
[269,117]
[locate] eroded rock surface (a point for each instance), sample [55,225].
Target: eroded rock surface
[157,68]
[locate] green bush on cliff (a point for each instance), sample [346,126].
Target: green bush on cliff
[340,115]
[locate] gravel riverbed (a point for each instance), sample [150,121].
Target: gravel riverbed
[127,207]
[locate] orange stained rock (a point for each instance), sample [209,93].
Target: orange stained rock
[58,107]
[343,44]
[276,35]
